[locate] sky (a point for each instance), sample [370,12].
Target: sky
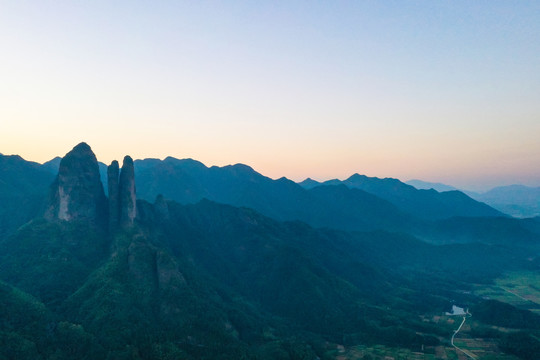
[443,91]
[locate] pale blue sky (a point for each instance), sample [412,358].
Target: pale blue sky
[444,91]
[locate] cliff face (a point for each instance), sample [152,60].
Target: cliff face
[77,193]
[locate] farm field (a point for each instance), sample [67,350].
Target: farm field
[520,289]
[480,348]
[484,350]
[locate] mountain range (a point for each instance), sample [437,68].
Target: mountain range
[425,185]
[427,204]
[515,200]
[170,259]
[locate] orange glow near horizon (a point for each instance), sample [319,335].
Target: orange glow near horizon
[479,172]
[441,92]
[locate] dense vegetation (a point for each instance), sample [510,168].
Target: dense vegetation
[209,280]
[500,314]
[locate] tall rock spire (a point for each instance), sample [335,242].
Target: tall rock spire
[77,193]
[114,197]
[128,201]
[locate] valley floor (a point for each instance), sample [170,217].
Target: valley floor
[519,289]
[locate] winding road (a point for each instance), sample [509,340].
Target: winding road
[469,354]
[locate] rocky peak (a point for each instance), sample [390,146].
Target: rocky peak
[77,193]
[128,201]
[113,172]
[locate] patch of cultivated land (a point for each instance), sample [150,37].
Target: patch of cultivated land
[380,352]
[481,348]
[521,289]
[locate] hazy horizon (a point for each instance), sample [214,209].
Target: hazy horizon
[479,188]
[439,91]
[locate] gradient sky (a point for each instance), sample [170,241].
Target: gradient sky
[445,91]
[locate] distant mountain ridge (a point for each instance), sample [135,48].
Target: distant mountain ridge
[424,185]
[188,181]
[426,204]
[515,200]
